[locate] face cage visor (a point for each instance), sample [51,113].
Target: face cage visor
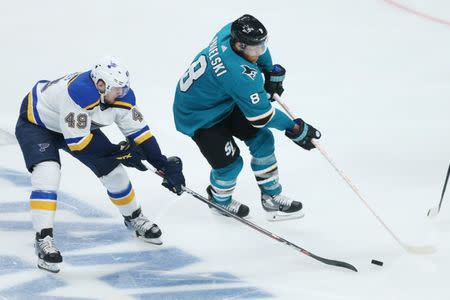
[121,91]
[254,50]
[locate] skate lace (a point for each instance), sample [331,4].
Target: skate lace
[47,245]
[282,200]
[141,224]
[233,206]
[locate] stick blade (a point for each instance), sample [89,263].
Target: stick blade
[433,212]
[420,250]
[333,262]
[345,265]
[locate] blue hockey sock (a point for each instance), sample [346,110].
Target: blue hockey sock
[266,174]
[223,181]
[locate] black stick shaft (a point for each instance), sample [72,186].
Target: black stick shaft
[327,261]
[444,188]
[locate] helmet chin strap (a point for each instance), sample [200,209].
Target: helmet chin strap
[102,97]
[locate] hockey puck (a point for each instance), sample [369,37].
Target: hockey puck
[377,262]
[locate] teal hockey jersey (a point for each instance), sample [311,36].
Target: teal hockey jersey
[216,81]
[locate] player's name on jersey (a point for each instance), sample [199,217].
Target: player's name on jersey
[216,62]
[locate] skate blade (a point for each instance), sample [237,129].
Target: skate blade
[277,216]
[155,241]
[51,267]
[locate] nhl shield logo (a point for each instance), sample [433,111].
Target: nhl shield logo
[43,147]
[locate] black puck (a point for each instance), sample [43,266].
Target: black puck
[377,262]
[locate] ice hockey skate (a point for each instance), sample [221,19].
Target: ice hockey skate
[281,208]
[49,256]
[234,207]
[143,227]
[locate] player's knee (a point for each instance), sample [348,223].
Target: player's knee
[46,176]
[229,172]
[116,180]
[262,144]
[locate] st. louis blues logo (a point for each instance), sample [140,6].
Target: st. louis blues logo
[43,146]
[249,71]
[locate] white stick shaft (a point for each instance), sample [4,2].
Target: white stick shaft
[354,188]
[284,106]
[418,250]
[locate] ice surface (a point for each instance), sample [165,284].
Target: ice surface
[372,77]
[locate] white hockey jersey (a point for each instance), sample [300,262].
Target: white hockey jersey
[71,106]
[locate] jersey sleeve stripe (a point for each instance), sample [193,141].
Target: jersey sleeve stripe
[141,136]
[262,120]
[35,111]
[139,132]
[72,80]
[78,144]
[91,106]
[122,104]
[32,113]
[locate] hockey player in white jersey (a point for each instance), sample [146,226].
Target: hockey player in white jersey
[67,114]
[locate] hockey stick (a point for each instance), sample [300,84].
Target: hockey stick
[432,212]
[327,261]
[408,248]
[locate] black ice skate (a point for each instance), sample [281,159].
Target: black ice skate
[234,207]
[143,227]
[49,256]
[280,208]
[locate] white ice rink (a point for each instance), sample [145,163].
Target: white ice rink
[372,75]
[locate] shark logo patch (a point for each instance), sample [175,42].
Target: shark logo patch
[249,71]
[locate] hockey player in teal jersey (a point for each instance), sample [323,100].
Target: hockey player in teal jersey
[223,95]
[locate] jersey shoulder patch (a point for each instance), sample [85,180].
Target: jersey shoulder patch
[127,102]
[249,71]
[240,67]
[246,74]
[83,91]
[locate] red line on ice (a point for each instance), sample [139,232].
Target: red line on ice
[417,13]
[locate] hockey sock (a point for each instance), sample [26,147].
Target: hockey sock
[223,181]
[45,182]
[266,174]
[120,191]
[43,208]
[264,162]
